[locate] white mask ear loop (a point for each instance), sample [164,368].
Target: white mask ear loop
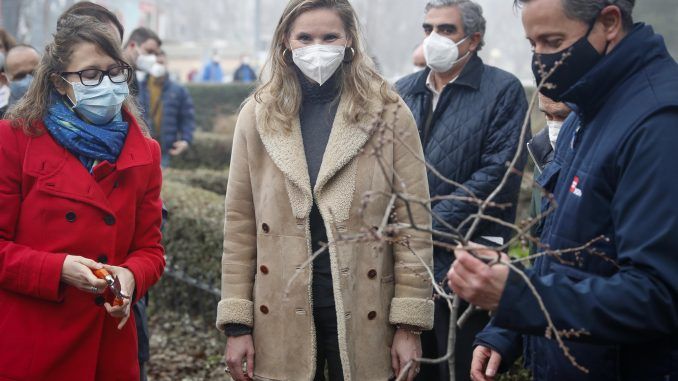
[465,55]
[67,97]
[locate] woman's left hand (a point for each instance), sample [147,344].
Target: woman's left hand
[406,348]
[127,284]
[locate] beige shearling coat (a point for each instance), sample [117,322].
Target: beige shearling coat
[267,240]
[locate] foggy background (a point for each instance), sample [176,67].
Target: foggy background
[194,30]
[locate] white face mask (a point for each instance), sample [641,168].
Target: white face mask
[158,70]
[554,127]
[441,53]
[319,62]
[145,62]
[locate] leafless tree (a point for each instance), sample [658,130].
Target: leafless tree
[391,230]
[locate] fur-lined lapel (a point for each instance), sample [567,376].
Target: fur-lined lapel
[286,149]
[346,141]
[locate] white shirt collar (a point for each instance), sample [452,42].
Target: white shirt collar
[436,95]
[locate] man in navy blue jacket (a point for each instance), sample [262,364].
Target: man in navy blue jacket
[614,175]
[168,110]
[469,117]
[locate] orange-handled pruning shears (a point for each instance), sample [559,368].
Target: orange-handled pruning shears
[113,286]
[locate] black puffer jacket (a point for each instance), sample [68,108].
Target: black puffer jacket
[474,133]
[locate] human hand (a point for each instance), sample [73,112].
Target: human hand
[406,348]
[485,364]
[239,349]
[127,286]
[477,282]
[178,147]
[77,272]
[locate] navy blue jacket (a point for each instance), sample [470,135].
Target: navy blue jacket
[178,113]
[474,133]
[615,174]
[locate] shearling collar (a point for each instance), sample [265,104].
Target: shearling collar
[286,149]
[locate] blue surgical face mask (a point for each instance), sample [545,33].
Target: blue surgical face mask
[17,89]
[99,104]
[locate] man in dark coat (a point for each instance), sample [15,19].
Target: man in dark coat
[614,175]
[168,110]
[541,150]
[469,117]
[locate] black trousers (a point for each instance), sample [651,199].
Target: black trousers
[141,320]
[327,344]
[434,344]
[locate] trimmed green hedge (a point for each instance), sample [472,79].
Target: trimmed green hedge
[213,102]
[193,233]
[207,179]
[209,150]
[193,240]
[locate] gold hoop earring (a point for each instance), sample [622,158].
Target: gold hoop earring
[347,60]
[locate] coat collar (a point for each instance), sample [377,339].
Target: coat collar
[471,76]
[286,150]
[540,149]
[632,54]
[60,173]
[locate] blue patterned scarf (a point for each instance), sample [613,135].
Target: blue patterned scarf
[89,143]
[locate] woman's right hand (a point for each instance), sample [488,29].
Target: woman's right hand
[239,349]
[77,272]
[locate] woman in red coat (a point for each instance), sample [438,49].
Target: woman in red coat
[79,190]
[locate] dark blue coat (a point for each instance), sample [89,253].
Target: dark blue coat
[474,133]
[615,174]
[178,114]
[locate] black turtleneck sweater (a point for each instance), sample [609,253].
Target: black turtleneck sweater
[318,109]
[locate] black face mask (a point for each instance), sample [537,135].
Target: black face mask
[577,60]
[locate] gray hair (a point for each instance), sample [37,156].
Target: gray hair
[471,16]
[586,11]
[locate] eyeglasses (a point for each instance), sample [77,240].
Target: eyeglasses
[93,77]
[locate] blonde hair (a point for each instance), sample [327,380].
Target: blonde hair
[28,112]
[360,84]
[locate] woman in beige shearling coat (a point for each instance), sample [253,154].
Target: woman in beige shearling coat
[278,198]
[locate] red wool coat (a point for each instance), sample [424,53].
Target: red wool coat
[49,206]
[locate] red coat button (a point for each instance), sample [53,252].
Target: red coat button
[263,309]
[263,269]
[372,315]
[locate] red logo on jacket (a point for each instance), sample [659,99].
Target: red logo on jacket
[574,187]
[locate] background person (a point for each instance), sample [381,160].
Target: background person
[541,150]
[79,190]
[20,65]
[6,43]
[303,131]
[244,73]
[212,71]
[101,13]
[141,50]
[168,110]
